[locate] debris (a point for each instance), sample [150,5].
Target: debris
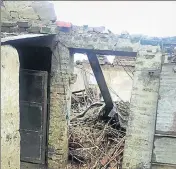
[95,142]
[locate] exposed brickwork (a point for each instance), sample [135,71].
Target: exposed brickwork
[60,99]
[28,17]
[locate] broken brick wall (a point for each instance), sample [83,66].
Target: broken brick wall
[143,109]
[28,17]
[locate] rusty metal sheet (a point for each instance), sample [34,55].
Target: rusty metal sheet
[164,150]
[166,113]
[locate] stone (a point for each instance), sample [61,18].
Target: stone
[14,14]
[99,29]
[44,10]
[90,29]
[5,15]
[16,5]
[28,13]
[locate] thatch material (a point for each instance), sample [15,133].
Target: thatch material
[95,143]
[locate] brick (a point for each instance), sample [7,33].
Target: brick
[8,24]
[13,29]
[5,29]
[58,130]
[22,29]
[99,29]
[45,30]
[23,24]
[34,29]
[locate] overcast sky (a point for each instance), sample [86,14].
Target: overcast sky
[136,17]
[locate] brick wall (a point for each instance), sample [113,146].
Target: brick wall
[143,107]
[28,17]
[60,100]
[85,39]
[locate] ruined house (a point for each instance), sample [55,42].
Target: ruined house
[37,73]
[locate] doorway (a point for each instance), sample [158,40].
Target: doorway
[33,115]
[35,65]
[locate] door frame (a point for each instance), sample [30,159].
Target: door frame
[45,121]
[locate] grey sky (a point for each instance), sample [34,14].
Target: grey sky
[136,17]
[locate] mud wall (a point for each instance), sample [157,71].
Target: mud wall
[10,137]
[115,77]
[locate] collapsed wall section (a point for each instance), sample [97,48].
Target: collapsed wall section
[10,137]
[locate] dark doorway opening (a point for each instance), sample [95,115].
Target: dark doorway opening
[35,67]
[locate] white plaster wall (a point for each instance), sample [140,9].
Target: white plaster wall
[10,137]
[115,77]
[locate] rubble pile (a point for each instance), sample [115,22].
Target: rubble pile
[95,142]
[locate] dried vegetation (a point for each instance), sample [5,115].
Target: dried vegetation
[95,142]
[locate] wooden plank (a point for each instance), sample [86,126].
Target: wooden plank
[164,150]
[166,113]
